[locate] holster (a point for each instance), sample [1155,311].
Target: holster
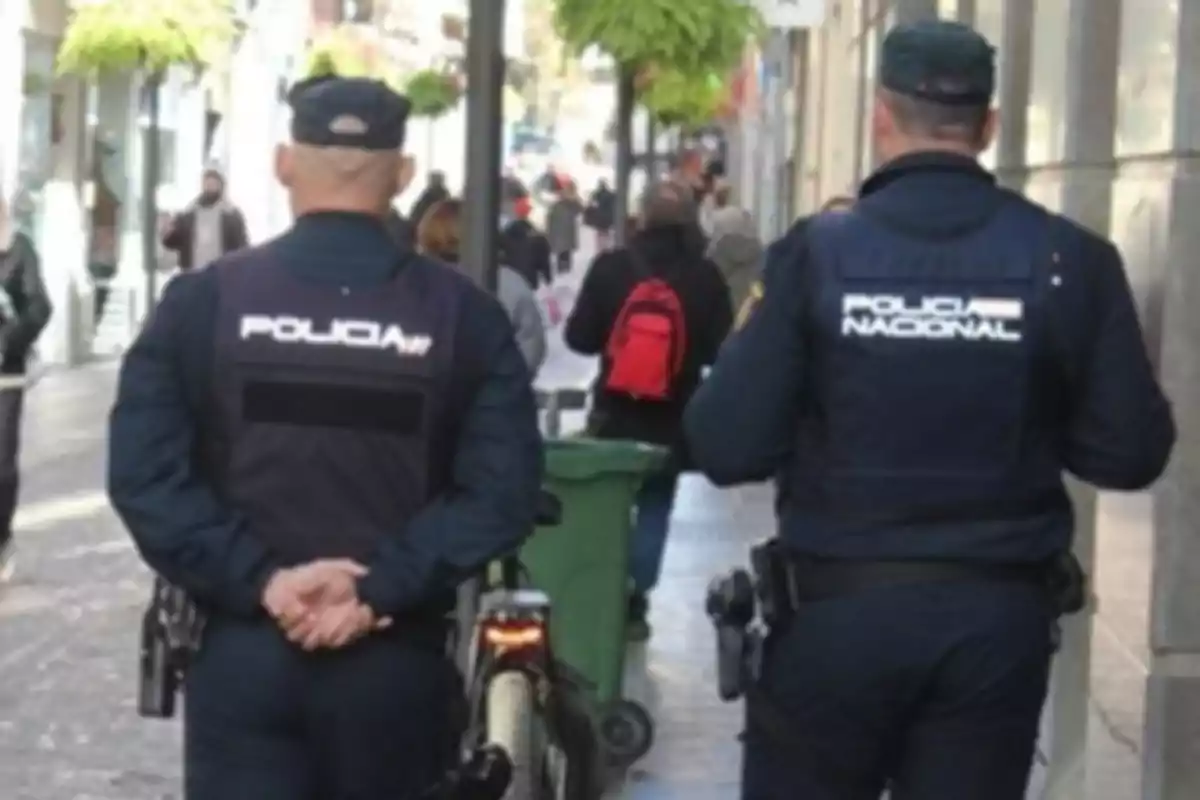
[172,631]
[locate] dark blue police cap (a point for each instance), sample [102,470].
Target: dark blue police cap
[360,113]
[940,61]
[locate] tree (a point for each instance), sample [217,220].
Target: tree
[340,51]
[674,98]
[698,36]
[432,92]
[150,35]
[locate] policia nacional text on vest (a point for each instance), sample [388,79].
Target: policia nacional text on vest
[319,369]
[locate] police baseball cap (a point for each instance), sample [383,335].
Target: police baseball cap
[940,61]
[359,113]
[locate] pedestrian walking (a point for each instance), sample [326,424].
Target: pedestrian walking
[601,213]
[440,236]
[433,193]
[207,229]
[562,227]
[734,245]
[24,311]
[655,313]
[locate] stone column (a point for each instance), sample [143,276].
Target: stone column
[1156,205]
[1008,23]
[1079,176]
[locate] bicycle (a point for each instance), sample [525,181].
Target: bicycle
[525,701]
[520,697]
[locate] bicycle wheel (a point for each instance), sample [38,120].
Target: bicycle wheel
[512,724]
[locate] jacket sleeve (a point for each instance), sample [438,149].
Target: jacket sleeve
[178,234]
[496,476]
[588,324]
[1121,430]
[180,527]
[522,307]
[738,423]
[32,318]
[239,237]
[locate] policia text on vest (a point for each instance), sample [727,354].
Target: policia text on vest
[354,333]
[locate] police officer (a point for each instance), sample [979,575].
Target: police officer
[921,370]
[319,438]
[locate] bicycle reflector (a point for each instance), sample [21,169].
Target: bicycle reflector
[514,635]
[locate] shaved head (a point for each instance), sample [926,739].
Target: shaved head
[341,178]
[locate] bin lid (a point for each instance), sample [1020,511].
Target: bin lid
[582,459]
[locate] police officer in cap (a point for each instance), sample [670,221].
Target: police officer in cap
[319,438]
[920,372]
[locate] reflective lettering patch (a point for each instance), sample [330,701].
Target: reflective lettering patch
[354,333]
[935,318]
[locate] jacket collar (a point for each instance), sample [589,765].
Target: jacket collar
[924,162]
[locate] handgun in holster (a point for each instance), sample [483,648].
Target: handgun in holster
[744,607]
[172,627]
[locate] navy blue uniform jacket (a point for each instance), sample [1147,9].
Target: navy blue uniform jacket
[1117,434]
[187,535]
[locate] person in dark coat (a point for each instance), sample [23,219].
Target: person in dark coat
[562,227]
[601,213]
[435,192]
[524,248]
[209,228]
[662,248]
[318,439]
[24,311]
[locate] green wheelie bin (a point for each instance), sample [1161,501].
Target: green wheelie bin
[583,565]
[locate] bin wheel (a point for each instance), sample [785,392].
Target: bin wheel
[626,732]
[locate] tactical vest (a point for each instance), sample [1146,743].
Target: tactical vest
[925,368]
[327,408]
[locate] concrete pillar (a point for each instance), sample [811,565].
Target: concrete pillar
[1071,168]
[1156,203]
[1009,23]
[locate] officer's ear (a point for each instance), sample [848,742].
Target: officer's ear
[285,169]
[407,170]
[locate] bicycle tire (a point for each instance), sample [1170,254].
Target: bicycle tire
[511,720]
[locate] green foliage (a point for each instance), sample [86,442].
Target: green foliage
[678,99]
[337,53]
[121,35]
[696,36]
[432,92]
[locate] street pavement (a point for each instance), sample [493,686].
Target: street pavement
[69,625]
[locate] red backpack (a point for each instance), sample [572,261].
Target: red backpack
[648,340]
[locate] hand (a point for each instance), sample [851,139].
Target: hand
[294,595]
[336,626]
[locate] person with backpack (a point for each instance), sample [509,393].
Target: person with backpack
[655,313]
